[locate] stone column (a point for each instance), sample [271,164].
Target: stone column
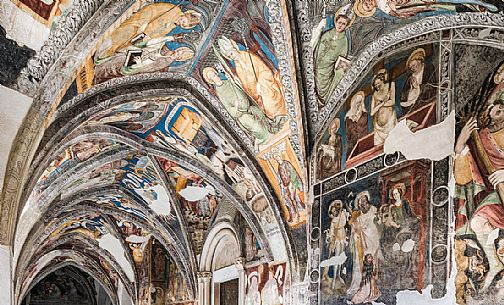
[242,280]
[204,288]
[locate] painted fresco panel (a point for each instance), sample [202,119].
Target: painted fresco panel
[140,177]
[173,122]
[159,37]
[91,226]
[280,165]
[241,69]
[136,238]
[71,156]
[265,284]
[119,202]
[341,31]
[479,183]
[400,87]
[198,199]
[374,236]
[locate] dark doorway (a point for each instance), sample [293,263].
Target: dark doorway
[229,292]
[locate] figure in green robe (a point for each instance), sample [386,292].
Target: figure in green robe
[249,116]
[330,57]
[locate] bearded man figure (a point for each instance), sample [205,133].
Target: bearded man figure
[479,176]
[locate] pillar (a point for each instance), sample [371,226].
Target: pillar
[204,288]
[242,280]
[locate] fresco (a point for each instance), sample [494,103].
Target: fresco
[91,226]
[136,174]
[161,282]
[281,163]
[159,37]
[402,87]
[249,242]
[113,277]
[136,238]
[374,236]
[198,199]
[265,284]
[479,191]
[241,69]
[343,29]
[140,177]
[69,286]
[102,176]
[71,156]
[119,202]
[172,122]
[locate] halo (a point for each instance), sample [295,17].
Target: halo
[205,72]
[381,71]
[356,95]
[195,14]
[359,10]
[187,53]
[347,12]
[401,186]
[418,54]
[363,193]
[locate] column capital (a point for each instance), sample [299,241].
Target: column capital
[240,263]
[204,275]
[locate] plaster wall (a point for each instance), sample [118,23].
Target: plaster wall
[22,27]
[13,108]
[5,275]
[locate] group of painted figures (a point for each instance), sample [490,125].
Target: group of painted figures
[370,240]
[331,37]
[387,104]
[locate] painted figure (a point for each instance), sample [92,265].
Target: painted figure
[364,237]
[356,122]
[330,54]
[329,155]
[256,78]
[253,296]
[337,239]
[399,236]
[153,21]
[479,176]
[249,116]
[368,290]
[420,84]
[382,106]
[153,58]
[271,294]
[291,186]
[403,9]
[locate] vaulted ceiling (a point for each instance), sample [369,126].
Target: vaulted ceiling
[157,119]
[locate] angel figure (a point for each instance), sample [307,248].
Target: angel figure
[330,51]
